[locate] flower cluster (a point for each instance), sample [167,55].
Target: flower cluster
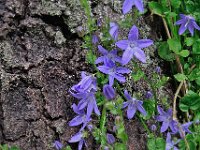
[168,122]
[113,65]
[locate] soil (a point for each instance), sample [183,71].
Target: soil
[40,59]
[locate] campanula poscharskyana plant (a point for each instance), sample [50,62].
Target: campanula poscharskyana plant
[133,46]
[128,4]
[114,72]
[58,145]
[187,22]
[133,105]
[108,92]
[170,144]
[107,56]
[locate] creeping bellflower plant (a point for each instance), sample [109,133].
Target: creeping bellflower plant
[133,105]
[133,46]
[171,144]
[78,137]
[114,72]
[187,22]
[166,119]
[128,4]
[108,56]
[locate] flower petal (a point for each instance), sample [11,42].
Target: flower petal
[122,70]
[144,43]
[80,144]
[76,138]
[191,29]
[102,50]
[125,104]
[127,95]
[133,34]
[164,127]
[181,21]
[127,55]
[104,69]
[100,60]
[96,110]
[76,121]
[120,78]
[111,80]
[127,5]
[108,92]
[139,54]
[139,5]
[90,108]
[141,109]
[182,29]
[195,25]
[131,112]
[122,44]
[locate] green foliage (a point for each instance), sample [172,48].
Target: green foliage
[180,77]
[190,101]
[155,143]
[164,52]
[6,147]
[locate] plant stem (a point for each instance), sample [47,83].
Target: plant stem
[102,125]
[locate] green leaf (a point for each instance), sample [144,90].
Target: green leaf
[156,144]
[198,81]
[156,8]
[180,77]
[149,106]
[184,53]
[68,148]
[164,52]
[190,101]
[174,45]
[189,41]
[194,74]
[175,3]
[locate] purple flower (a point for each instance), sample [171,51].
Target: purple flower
[171,144]
[114,29]
[87,83]
[184,128]
[95,39]
[108,92]
[187,22]
[158,70]
[153,127]
[114,72]
[108,56]
[80,118]
[133,105]
[128,4]
[57,144]
[78,137]
[133,46]
[149,95]
[87,99]
[166,119]
[110,138]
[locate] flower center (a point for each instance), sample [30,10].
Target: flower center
[132,44]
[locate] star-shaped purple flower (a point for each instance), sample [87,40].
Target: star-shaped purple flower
[187,22]
[171,144]
[114,30]
[133,105]
[184,128]
[108,56]
[133,46]
[78,137]
[128,4]
[166,119]
[114,72]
